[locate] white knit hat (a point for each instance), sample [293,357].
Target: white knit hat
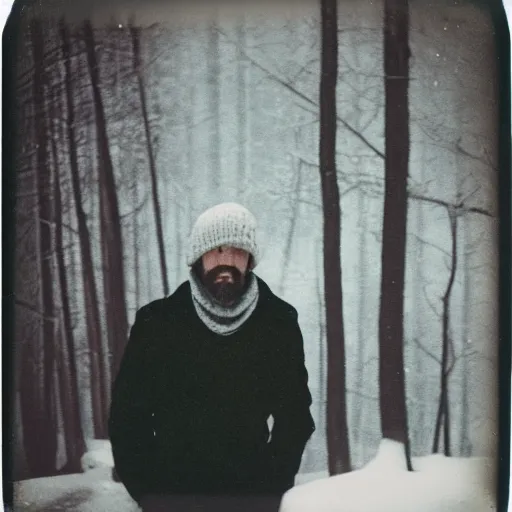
[224,224]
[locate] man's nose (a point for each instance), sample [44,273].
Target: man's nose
[226,255]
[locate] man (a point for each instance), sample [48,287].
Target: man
[204,370]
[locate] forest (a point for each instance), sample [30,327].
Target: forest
[364,138]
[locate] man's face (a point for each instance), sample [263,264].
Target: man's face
[224,270]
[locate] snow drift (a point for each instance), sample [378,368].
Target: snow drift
[438,484]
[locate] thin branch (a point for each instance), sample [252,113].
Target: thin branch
[479,159]
[273,76]
[430,244]
[460,207]
[70,228]
[427,298]
[33,309]
[426,351]
[137,209]
[452,365]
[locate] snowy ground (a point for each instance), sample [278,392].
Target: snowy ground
[91,491]
[438,484]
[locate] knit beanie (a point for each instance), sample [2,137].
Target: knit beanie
[224,224]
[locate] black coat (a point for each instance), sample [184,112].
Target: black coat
[189,407]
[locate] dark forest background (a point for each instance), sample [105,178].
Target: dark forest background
[362,135]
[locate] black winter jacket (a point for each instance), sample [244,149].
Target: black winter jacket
[189,407]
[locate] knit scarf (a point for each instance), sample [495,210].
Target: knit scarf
[220,319]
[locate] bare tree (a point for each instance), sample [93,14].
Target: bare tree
[242,107]
[136,238]
[358,407]
[26,286]
[337,428]
[447,357]
[296,177]
[92,315]
[66,363]
[465,441]
[45,463]
[213,84]
[137,66]
[115,302]
[393,407]
[420,393]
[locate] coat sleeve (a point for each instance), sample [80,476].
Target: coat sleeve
[293,423]
[130,425]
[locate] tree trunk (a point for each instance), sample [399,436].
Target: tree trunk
[105,273]
[73,436]
[149,270]
[45,464]
[137,66]
[443,417]
[321,349]
[421,394]
[116,310]
[393,407]
[296,177]
[337,428]
[30,409]
[213,83]
[242,110]
[186,214]
[67,372]
[97,377]
[359,404]
[136,241]
[465,441]
[25,356]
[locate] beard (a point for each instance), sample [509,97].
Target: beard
[225,284]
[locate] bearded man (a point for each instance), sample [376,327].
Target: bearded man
[204,371]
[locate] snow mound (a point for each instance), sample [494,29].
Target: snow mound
[437,484]
[390,457]
[93,491]
[98,455]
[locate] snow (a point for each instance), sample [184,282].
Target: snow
[98,455]
[438,484]
[91,491]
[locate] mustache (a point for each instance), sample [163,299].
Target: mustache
[212,275]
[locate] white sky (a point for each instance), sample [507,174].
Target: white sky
[5,6]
